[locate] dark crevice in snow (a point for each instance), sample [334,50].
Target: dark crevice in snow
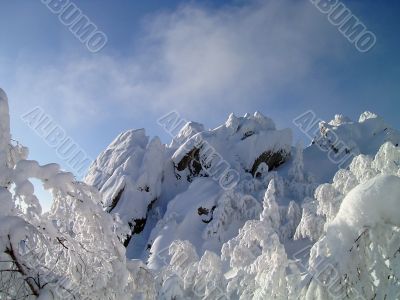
[116,200]
[247,134]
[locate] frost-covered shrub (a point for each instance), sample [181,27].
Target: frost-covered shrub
[358,254]
[188,277]
[70,252]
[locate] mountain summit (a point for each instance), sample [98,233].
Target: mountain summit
[205,185]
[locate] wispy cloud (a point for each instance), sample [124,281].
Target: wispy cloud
[236,55]
[192,60]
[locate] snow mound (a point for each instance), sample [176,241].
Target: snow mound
[369,204]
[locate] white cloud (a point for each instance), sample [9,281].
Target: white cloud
[195,60]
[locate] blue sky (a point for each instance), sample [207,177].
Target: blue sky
[203,59]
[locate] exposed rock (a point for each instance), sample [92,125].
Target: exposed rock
[191,162]
[136,227]
[207,212]
[272,159]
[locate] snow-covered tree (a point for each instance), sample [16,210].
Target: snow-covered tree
[270,212]
[296,172]
[357,255]
[71,251]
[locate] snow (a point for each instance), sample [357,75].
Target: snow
[349,139]
[182,221]
[128,173]
[155,221]
[186,203]
[187,131]
[240,140]
[363,137]
[115,155]
[142,181]
[71,251]
[367,205]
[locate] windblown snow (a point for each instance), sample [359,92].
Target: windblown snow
[235,212]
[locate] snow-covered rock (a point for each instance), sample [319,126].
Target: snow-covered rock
[193,188]
[275,192]
[206,184]
[337,142]
[129,174]
[362,137]
[242,143]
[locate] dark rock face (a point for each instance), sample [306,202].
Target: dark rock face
[139,226]
[239,146]
[272,159]
[202,211]
[136,227]
[191,161]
